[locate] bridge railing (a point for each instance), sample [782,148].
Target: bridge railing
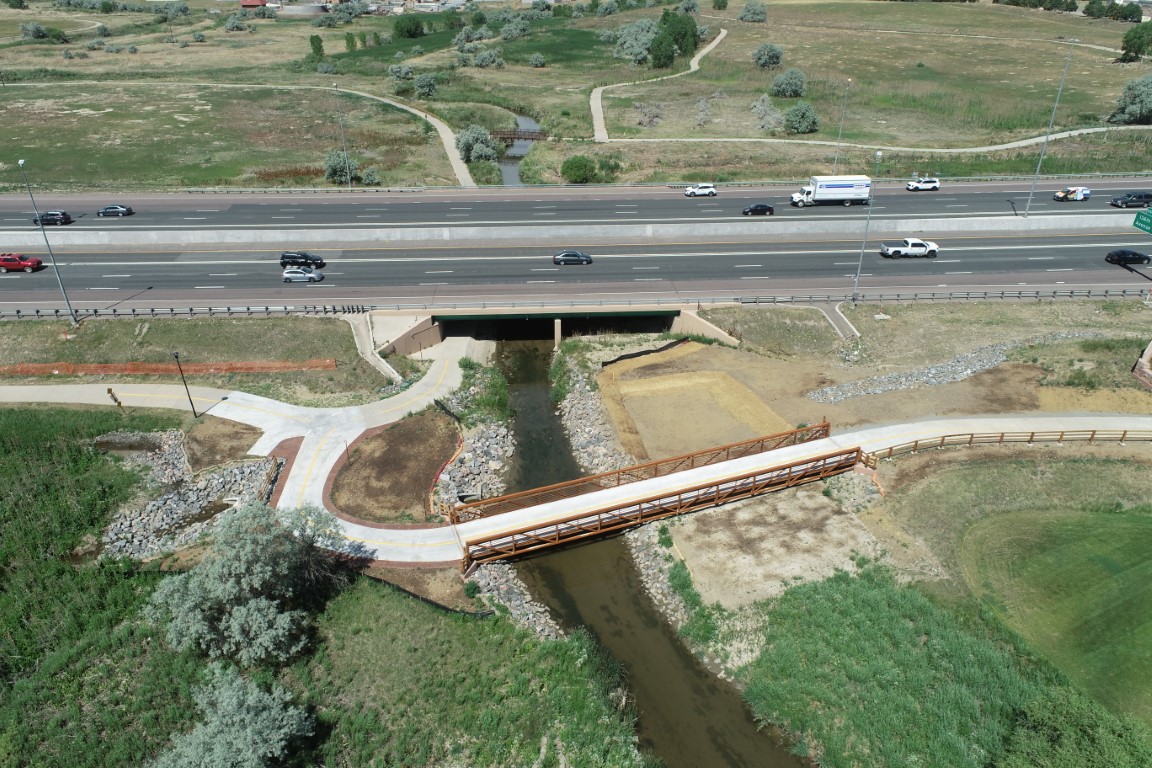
[998,438]
[863,297]
[583,525]
[513,501]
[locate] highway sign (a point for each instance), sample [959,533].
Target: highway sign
[1143,221]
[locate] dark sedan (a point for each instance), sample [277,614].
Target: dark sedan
[572,257]
[1125,256]
[760,209]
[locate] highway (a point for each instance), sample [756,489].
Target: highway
[531,206]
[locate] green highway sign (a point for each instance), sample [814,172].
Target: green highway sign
[1143,221]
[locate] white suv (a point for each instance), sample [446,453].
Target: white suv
[700,190]
[922,185]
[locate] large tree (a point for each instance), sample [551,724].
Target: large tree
[1134,107]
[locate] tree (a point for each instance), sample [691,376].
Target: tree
[719,5]
[754,11]
[578,169]
[1136,42]
[790,84]
[536,60]
[426,86]
[339,168]
[768,116]
[662,52]
[243,727]
[408,26]
[633,40]
[349,42]
[682,28]
[768,56]
[1095,9]
[1134,107]
[241,601]
[476,144]
[801,119]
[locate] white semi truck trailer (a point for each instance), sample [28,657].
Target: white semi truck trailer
[845,190]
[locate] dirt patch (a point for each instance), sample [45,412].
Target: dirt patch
[213,441]
[388,475]
[440,585]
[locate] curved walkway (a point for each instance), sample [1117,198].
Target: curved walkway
[327,432]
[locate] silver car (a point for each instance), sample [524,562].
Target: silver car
[302,275]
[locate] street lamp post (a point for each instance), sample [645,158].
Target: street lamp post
[48,245]
[1051,121]
[864,242]
[843,113]
[180,368]
[343,142]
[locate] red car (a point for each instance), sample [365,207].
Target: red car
[10,262]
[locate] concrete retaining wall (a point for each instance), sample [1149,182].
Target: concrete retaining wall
[559,231]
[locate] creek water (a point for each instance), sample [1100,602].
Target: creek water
[510,163]
[687,717]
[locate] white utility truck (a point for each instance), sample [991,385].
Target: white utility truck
[834,189]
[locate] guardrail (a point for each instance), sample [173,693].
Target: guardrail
[1144,294]
[998,438]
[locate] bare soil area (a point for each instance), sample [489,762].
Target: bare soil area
[213,441]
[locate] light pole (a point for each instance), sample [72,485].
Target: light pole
[1051,121]
[343,143]
[864,242]
[48,245]
[843,113]
[180,368]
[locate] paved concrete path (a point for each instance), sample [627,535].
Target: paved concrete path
[327,431]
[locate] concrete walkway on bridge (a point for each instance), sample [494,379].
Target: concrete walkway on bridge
[326,433]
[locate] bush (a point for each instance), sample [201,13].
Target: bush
[662,52]
[236,23]
[719,5]
[244,727]
[1134,107]
[97,44]
[327,21]
[536,60]
[325,68]
[408,26]
[376,39]
[514,30]
[633,40]
[400,72]
[609,8]
[768,56]
[682,29]
[134,49]
[17,5]
[578,169]
[198,37]
[370,177]
[339,167]
[801,119]
[475,143]
[688,6]
[426,86]
[416,50]
[789,85]
[489,58]
[350,41]
[68,54]
[768,117]
[754,11]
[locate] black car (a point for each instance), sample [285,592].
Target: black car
[53,217]
[760,209]
[115,210]
[1132,200]
[301,259]
[572,257]
[1126,256]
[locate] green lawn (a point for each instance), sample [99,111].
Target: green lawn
[1077,586]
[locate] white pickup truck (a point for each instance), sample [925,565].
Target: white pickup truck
[909,246]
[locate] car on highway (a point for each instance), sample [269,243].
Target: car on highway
[1072,193]
[301,259]
[1126,256]
[302,275]
[115,210]
[52,217]
[760,209]
[571,257]
[1132,200]
[700,190]
[925,184]
[18,262]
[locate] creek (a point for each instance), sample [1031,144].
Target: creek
[510,163]
[687,717]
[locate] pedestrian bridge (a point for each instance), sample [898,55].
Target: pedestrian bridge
[528,522]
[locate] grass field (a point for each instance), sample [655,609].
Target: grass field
[922,74]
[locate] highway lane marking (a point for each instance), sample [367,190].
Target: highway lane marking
[457,214]
[451,209]
[637,268]
[647,279]
[748,266]
[947,261]
[755,277]
[367,216]
[957,273]
[627,205]
[115,275]
[545,206]
[545,269]
[99,288]
[1063,269]
[549,213]
[433,283]
[957,205]
[207,286]
[540,281]
[1041,258]
[195,218]
[217,274]
[440,272]
[297,210]
[207,210]
[281,217]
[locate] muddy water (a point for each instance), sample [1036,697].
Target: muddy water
[687,717]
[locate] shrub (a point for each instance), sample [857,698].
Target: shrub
[536,60]
[633,40]
[489,58]
[327,21]
[688,6]
[370,177]
[719,5]
[514,30]
[376,39]
[408,26]
[116,48]
[789,85]
[339,168]
[134,49]
[103,31]
[32,30]
[768,117]
[400,72]
[609,8]
[17,5]
[68,54]
[426,86]
[349,42]
[236,23]
[1134,107]
[662,52]
[362,38]
[325,68]
[578,169]
[801,119]
[416,50]
[768,56]
[754,11]
[198,37]
[475,143]
[97,44]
